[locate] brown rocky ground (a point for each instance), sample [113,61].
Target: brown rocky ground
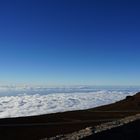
[130,131]
[38,127]
[124,129]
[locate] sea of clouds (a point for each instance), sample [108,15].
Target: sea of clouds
[28,101]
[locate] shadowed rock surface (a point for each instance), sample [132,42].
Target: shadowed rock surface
[125,129]
[130,131]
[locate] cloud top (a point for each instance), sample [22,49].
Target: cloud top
[36,104]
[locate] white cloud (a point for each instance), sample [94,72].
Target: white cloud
[27,105]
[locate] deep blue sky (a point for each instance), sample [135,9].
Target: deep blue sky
[62,42]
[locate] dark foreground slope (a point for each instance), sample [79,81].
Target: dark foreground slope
[130,131]
[38,127]
[124,129]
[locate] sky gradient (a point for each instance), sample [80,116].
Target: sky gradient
[70,42]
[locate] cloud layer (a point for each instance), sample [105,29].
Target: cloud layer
[27,105]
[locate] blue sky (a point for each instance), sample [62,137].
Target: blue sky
[70,42]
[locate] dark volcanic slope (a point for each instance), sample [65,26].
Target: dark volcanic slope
[37,127]
[131,103]
[130,131]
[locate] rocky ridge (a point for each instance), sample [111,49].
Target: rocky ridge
[97,129]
